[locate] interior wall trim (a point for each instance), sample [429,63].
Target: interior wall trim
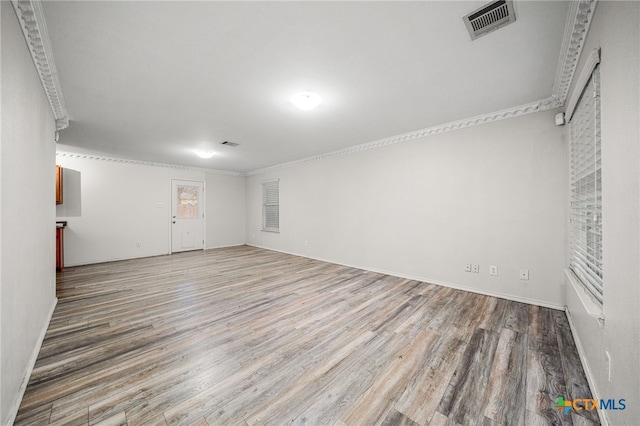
[595,393]
[593,59]
[141,163]
[528,301]
[13,410]
[579,19]
[575,33]
[434,130]
[35,32]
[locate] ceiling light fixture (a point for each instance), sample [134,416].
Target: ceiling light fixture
[204,153]
[306,100]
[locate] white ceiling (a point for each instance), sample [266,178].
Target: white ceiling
[152,81]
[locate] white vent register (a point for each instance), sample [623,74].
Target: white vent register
[489,18]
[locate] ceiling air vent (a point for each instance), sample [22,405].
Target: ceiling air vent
[489,17]
[227,143]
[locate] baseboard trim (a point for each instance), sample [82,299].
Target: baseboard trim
[225,246]
[13,411]
[115,259]
[513,298]
[71,265]
[585,365]
[510,297]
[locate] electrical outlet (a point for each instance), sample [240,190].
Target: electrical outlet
[524,274]
[467,267]
[475,269]
[493,270]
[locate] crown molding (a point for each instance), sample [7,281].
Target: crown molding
[66,154]
[579,19]
[35,33]
[575,33]
[477,120]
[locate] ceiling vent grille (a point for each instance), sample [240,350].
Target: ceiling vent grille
[227,143]
[489,18]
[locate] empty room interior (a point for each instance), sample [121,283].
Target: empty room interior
[342,213]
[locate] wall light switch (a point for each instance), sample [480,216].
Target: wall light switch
[475,269]
[524,274]
[467,267]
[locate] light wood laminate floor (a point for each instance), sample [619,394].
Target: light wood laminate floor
[246,336]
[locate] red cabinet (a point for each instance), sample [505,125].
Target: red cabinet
[60,245]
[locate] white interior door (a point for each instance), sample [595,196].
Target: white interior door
[187,215]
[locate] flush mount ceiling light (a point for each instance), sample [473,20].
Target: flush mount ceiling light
[306,100]
[204,153]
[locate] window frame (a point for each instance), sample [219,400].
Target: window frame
[271,206]
[585,180]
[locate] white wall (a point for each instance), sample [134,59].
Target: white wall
[27,215]
[620,115]
[123,203]
[72,194]
[491,195]
[225,210]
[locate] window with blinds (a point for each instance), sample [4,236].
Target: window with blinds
[271,206]
[586,189]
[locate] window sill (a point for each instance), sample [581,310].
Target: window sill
[591,306]
[275,231]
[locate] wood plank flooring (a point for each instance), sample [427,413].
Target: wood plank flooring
[246,336]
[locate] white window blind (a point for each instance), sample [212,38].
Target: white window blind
[271,206]
[586,189]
